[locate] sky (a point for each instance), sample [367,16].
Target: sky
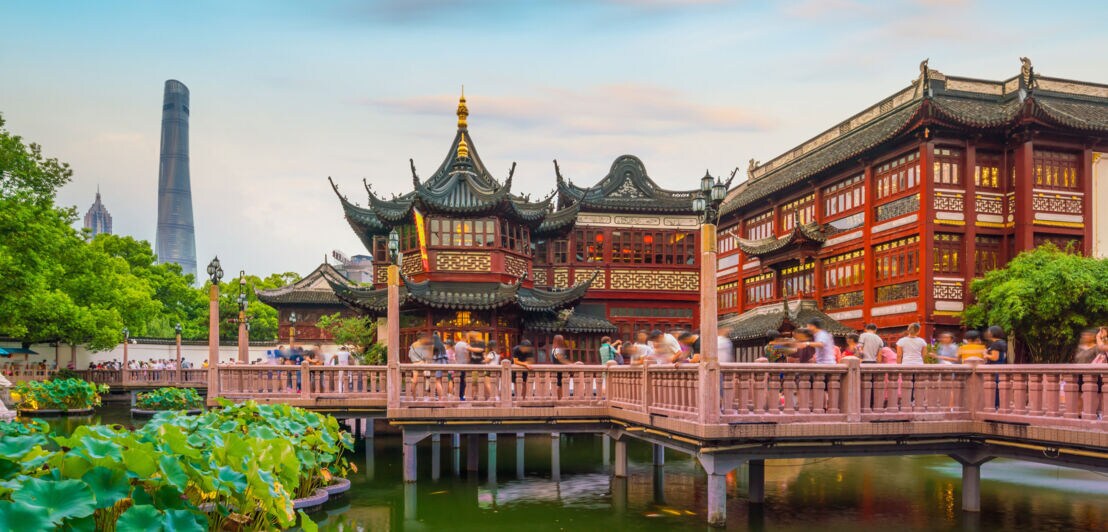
[285,94]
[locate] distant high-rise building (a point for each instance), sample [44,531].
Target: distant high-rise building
[176,239]
[97,218]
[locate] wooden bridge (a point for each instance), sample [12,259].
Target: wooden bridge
[722,414]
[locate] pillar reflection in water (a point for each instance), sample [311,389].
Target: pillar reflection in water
[619,494]
[492,460]
[456,452]
[605,450]
[659,484]
[436,456]
[369,453]
[555,457]
[410,501]
[519,455]
[472,450]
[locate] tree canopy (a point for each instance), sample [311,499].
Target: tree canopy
[1044,297]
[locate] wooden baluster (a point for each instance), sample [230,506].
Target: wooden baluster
[789,392]
[804,393]
[819,393]
[988,398]
[758,388]
[1089,401]
[729,383]
[1035,394]
[881,398]
[1019,393]
[934,391]
[834,398]
[1004,389]
[867,391]
[918,396]
[1051,395]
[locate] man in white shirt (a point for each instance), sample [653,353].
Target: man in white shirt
[666,347]
[870,344]
[725,349]
[822,341]
[642,347]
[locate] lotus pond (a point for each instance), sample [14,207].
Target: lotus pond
[859,494]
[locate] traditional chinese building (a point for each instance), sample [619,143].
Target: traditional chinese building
[887,216]
[310,298]
[618,256]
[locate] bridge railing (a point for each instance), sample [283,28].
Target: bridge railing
[261,381]
[932,391]
[1073,395]
[783,393]
[17,375]
[347,382]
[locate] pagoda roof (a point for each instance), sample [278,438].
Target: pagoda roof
[754,323]
[801,232]
[958,101]
[461,186]
[569,321]
[464,296]
[626,188]
[313,289]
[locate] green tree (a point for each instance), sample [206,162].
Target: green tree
[263,318]
[25,173]
[357,331]
[1044,297]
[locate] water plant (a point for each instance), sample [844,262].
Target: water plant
[58,394]
[169,398]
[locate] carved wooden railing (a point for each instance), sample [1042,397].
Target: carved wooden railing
[1056,395]
[17,375]
[111,377]
[783,393]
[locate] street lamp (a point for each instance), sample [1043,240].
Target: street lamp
[392,322]
[394,247]
[706,204]
[177,329]
[215,274]
[124,375]
[244,335]
[292,329]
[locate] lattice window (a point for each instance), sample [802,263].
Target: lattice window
[844,300]
[897,175]
[986,254]
[758,288]
[897,260]
[948,253]
[896,292]
[445,232]
[844,271]
[1071,244]
[1055,169]
[409,237]
[588,245]
[948,166]
[798,280]
[381,249]
[728,295]
[802,210]
[726,241]
[844,196]
[986,175]
[515,237]
[760,226]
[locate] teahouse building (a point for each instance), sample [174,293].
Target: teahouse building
[887,216]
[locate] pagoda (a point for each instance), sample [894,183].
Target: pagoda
[466,248]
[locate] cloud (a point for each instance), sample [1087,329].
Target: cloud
[626,110]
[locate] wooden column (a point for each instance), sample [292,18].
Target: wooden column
[969,212]
[244,339]
[927,235]
[1086,178]
[869,265]
[708,385]
[213,341]
[756,481]
[621,458]
[180,374]
[124,376]
[1025,182]
[393,321]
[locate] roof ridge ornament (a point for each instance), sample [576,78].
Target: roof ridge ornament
[924,79]
[463,147]
[1028,79]
[415,177]
[463,110]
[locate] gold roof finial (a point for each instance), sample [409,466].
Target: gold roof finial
[463,111]
[463,147]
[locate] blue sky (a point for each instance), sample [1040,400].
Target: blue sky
[285,94]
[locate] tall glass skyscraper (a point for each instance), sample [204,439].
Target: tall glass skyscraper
[176,239]
[97,219]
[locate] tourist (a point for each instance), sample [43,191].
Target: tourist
[690,347]
[451,358]
[822,341]
[909,349]
[1087,349]
[870,343]
[492,356]
[461,356]
[477,356]
[1102,346]
[560,353]
[852,347]
[665,347]
[642,346]
[778,348]
[947,350]
[522,354]
[997,352]
[725,348]
[438,356]
[542,354]
[971,347]
[419,353]
[608,349]
[806,350]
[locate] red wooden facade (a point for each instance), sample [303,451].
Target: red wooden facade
[913,198]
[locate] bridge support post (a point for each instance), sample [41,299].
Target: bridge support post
[971,479]
[409,462]
[756,481]
[556,457]
[492,458]
[472,459]
[519,455]
[659,455]
[436,456]
[368,434]
[410,502]
[619,494]
[659,484]
[717,468]
[621,458]
[606,450]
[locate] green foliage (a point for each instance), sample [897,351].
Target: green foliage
[1044,297]
[58,394]
[25,173]
[235,468]
[170,399]
[357,331]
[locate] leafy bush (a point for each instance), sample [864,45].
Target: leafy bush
[236,468]
[170,399]
[57,394]
[65,373]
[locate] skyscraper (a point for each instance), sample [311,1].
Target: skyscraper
[97,218]
[176,239]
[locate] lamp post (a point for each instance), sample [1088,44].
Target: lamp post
[706,204]
[124,376]
[244,331]
[292,330]
[392,319]
[180,375]
[215,273]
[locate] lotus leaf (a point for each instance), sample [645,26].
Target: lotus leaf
[57,499]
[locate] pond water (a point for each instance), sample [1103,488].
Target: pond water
[854,494]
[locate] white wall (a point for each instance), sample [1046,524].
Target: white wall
[1098,204]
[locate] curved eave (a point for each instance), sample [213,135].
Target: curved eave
[977,113]
[366,299]
[1084,116]
[390,211]
[759,248]
[558,222]
[538,300]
